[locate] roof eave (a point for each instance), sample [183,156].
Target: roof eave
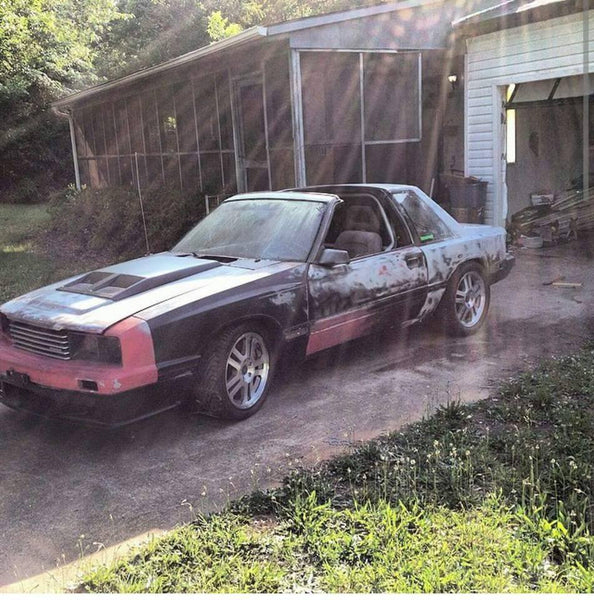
[347,15]
[490,20]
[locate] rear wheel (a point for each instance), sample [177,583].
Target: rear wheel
[466,300]
[237,373]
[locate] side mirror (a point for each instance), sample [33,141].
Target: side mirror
[331,257]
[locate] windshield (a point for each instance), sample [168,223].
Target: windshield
[271,229]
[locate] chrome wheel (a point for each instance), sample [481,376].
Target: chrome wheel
[471,299]
[247,370]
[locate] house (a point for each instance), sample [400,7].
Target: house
[400,92]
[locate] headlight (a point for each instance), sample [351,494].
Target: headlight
[95,348]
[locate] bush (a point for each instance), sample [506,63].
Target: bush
[109,220]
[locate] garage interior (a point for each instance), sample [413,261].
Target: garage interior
[545,149]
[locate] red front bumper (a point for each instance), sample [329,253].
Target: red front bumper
[138,366]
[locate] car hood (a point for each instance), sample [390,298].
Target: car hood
[94,301]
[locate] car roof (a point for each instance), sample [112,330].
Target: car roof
[288,195]
[389,187]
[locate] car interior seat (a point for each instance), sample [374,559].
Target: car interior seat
[360,235]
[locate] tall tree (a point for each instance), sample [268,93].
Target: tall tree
[154,31]
[46,47]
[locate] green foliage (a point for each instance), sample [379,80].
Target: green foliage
[219,27]
[153,32]
[110,219]
[46,48]
[494,497]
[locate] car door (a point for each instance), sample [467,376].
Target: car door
[373,290]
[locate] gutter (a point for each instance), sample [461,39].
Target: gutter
[237,40]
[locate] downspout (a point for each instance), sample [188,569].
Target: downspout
[68,113]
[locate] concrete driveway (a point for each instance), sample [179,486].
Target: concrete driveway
[66,491]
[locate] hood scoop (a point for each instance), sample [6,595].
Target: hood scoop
[117,286]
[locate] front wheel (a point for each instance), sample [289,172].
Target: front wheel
[466,300]
[237,374]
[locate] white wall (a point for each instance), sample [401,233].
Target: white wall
[532,52]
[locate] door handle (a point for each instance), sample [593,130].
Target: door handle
[414,259]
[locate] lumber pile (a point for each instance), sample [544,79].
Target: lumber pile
[569,212]
[578,206]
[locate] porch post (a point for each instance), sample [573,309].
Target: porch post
[74,150]
[297,114]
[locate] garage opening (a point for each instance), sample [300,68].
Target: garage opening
[544,156]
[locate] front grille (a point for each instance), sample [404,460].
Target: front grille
[39,340]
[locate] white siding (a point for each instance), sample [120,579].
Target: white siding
[531,52]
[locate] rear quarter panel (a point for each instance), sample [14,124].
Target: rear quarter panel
[482,243]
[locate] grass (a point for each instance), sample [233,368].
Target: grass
[493,497]
[28,260]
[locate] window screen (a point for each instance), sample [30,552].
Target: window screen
[392,102]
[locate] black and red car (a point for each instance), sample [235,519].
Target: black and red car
[294,271]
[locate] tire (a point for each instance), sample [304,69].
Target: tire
[237,374]
[466,301]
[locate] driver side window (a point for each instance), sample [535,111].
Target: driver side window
[359,227]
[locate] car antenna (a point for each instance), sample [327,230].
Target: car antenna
[148,249]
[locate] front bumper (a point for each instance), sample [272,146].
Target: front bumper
[137,369]
[503,269]
[106,412]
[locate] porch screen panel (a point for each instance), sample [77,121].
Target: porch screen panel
[392,97]
[280,124]
[88,134]
[184,112]
[190,172]
[151,125]
[98,130]
[127,176]
[135,124]
[83,166]
[99,167]
[212,176]
[215,134]
[226,134]
[224,108]
[122,134]
[110,134]
[229,175]
[186,133]
[82,145]
[167,120]
[332,116]
[123,138]
[114,171]
[206,114]
[168,132]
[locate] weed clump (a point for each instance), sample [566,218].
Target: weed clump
[109,220]
[493,497]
